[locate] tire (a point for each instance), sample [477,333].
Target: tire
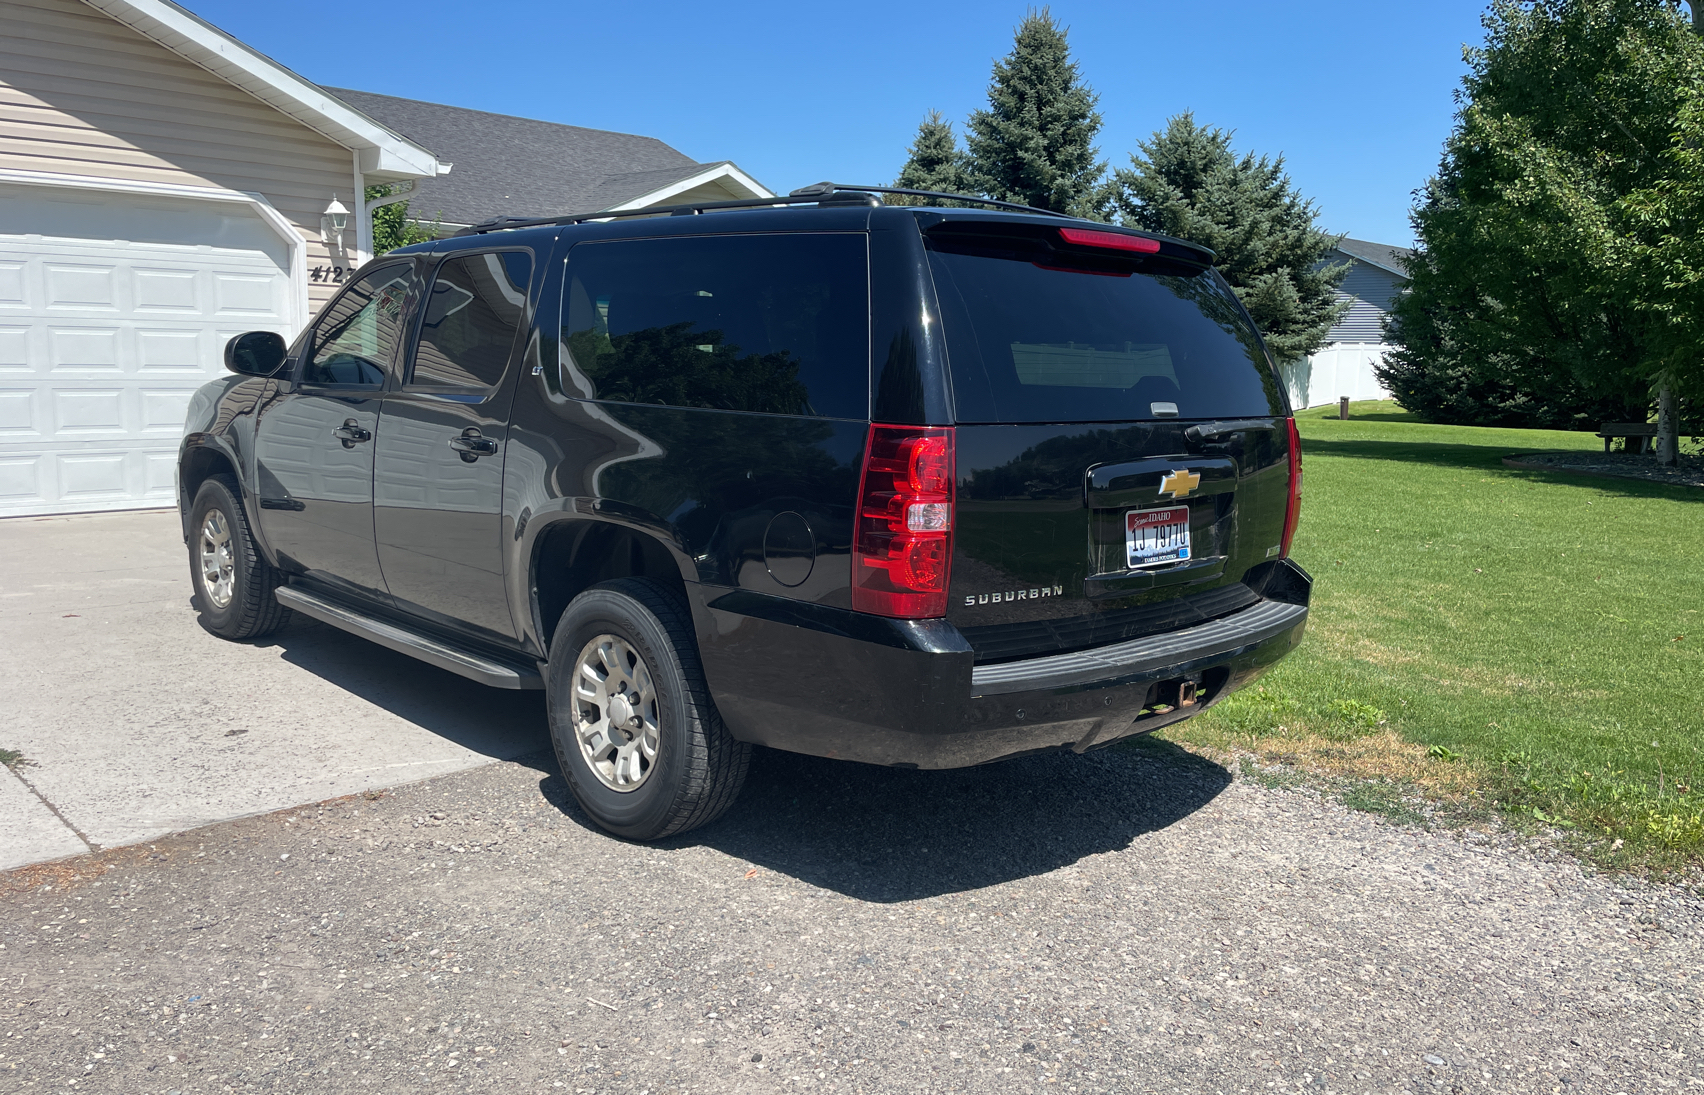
[234,587]
[642,639]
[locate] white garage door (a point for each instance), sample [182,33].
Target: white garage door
[114,308]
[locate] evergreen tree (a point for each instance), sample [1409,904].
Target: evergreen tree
[1530,302]
[935,162]
[1188,183]
[1035,142]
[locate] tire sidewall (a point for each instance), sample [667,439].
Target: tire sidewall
[224,622]
[635,814]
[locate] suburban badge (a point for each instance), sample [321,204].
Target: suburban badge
[1014,595]
[1179,484]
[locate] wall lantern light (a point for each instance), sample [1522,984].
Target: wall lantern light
[332,223]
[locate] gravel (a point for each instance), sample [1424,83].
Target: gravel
[1128,921]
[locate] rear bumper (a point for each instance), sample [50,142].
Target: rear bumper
[809,680]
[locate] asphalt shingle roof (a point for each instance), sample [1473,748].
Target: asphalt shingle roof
[1382,255]
[519,166]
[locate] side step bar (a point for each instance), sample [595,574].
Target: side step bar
[473,666]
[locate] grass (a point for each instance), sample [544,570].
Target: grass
[11,758]
[1490,639]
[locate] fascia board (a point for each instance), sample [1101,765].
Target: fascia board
[205,45]
[711,173]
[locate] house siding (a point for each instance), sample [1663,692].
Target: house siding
[81,94]
[1371,292]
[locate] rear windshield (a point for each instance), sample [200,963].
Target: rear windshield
[1029,342]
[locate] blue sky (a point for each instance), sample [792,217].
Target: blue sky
[1357,96]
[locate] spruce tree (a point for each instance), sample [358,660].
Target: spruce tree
[1187,182]
[935,162]
[1035,142]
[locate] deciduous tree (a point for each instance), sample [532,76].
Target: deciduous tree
[1532,289]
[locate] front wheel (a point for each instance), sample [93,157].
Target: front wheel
[234,584]
[638,737]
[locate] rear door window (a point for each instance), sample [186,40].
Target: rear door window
[777,324]
[477,304]
[1038,338]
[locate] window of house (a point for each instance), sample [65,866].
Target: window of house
[777,324]
[476,306]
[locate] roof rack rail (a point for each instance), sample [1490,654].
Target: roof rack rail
[817,193]
[825,188]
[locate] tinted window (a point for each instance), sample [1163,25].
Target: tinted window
[1034,343]
[354,340]
[477,304]
[777,324]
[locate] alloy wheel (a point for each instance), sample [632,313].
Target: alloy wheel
[218,562]
[615,713]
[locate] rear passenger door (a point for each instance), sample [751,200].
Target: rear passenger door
[438,475]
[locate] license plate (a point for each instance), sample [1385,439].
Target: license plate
[1156,536]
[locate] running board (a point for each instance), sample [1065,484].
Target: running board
[473,666]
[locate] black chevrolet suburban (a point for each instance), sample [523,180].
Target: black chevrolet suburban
[923,485]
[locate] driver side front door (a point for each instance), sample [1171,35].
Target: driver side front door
[314,442]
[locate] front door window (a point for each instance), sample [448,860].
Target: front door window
[357,337]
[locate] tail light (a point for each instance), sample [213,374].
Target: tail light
[902,548]
[1294,510]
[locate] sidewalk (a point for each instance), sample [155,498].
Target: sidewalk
[134,723]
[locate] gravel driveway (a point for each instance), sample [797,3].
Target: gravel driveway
[1128,921]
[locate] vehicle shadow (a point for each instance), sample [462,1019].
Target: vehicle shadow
[502,724]
[893,834]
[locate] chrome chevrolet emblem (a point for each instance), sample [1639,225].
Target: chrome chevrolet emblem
[1179,484]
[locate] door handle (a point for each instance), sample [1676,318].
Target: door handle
[472,444]
[351,433]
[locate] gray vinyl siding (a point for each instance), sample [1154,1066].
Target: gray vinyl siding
[1371,292]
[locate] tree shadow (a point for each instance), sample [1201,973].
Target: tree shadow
[1488,458]
[499,723]
[894,834]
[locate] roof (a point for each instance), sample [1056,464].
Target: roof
[509,166]
[384,153]
[1382,255]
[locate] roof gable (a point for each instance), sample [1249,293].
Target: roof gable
[383,152]
[509,166]
[1383,255]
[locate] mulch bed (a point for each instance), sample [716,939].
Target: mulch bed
[1615,465]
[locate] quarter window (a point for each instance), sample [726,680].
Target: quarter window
[356,338]
[771,323]
[476,305]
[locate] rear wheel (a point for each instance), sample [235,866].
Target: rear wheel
[638,737]
[234,584]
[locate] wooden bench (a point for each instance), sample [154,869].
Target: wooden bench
[1644,431]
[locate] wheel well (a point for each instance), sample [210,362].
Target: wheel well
[573,556]
[197,467]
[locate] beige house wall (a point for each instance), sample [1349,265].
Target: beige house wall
[81,94]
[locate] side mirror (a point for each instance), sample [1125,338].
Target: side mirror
[257,353]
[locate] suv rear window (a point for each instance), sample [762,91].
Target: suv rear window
[771,323]
[1052,337]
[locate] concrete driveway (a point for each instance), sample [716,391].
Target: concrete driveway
[134,723]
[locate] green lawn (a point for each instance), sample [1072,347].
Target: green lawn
[1525,640]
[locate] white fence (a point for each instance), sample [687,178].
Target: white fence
[1337,370]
